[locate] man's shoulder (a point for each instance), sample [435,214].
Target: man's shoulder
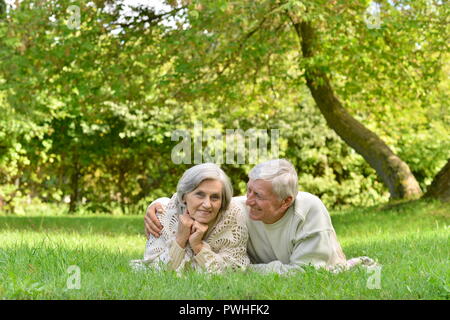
[306,200]
[313,212]
[306,196]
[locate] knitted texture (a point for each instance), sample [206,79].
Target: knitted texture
[224,245]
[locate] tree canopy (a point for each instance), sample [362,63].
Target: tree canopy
[91,92]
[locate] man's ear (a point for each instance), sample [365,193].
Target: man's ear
[287,202]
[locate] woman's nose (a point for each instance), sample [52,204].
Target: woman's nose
[207,203]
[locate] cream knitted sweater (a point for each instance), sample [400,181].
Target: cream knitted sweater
[224,245]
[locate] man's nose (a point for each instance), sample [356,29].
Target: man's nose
[250,200]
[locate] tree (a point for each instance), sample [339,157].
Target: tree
[90,107]
[2,9]
[440,187]
[238,39]
[394,172]
[91,89]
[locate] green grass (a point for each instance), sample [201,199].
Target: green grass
[410,241]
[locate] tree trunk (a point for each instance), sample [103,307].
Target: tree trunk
[395,173]
[74,180]
[2,9]
[440,187]
[121,182]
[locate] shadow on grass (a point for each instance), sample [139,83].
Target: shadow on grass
[83,225]
[412,250]
[411,214]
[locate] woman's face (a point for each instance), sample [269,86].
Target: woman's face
[204,202]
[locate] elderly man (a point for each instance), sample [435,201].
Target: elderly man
[287,229]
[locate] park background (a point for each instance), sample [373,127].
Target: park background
[91,92]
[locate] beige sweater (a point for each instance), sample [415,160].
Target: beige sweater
[224,245]
[303,236]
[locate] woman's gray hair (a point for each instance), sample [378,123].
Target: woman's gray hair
[195,175]
[281,173]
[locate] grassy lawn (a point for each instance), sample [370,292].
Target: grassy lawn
[410,241]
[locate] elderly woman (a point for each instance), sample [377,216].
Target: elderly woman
[202,226]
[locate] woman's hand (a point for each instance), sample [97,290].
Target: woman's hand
[198,232]
[184,229]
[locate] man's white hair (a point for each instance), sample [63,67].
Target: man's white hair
[281,173]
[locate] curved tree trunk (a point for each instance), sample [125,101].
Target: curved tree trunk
[440,187]
[395,173]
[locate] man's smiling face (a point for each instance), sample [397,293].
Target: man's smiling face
[264,204]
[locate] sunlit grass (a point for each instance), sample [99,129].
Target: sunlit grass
[410,241]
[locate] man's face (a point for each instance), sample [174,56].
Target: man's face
[264,205]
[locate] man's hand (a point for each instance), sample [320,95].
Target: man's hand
[152,224]
[195,240]
[184,229]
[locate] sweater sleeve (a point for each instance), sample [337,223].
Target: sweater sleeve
[313,251]
[164,251]
[233,257]
[229,243]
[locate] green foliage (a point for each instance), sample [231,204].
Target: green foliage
[88,110]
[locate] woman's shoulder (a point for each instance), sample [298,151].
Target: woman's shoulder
[239,201]
[235,212]
[231,226]
[170,205]
[169,215]
[235,206]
